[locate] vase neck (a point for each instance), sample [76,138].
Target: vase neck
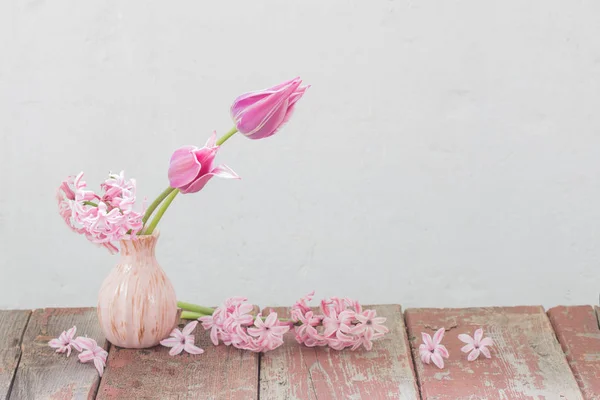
[139,247]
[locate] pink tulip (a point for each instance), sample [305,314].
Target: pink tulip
[191,168]
[260,114]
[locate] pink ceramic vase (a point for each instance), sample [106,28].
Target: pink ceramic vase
[137,307]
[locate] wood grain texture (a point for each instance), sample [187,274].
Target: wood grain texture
[298,372]
[221,372]
[44,374]
[527,361]
[12,326]
[579,335]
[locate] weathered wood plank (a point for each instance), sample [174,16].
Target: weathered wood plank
[527,361]
[42,373]
[12,326]
[221,372]
[298,372]
[579,335]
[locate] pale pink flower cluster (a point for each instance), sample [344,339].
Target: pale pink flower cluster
[233,325]
[342,323]
[88,348]
[105,218]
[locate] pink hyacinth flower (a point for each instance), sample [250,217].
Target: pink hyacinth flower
[476,345]
[92,352]
[191,168]
[369,324]
[268,332]
[182,340]
[432,350]
[260,114]
[65,342]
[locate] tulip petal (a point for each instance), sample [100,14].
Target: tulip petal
[184,167]
[212,140]
[264,117]
[222,171]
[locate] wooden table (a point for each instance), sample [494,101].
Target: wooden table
[538,355]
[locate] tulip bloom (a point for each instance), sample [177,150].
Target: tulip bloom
[191,168]
[260,114]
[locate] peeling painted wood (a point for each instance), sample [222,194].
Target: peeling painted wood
[42,373]
[298,372]
[12,326]
[579,335]
[527,361]
[221,372]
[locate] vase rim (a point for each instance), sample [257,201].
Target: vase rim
[155,234]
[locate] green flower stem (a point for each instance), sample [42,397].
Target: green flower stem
[156,203]
[195,308]
[90,203]
[191,315]
[160,212]
[195,311]
[226,136]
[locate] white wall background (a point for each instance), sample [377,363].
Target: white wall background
[448,153]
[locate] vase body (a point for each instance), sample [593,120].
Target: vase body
[137,306]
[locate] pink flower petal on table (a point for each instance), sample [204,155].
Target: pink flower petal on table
[170,342]
[478,335]
[190,348]
[473,355]
[189,328]
[427,340]
[99,364]
[443,351]
[465,338]
[467,348]
[438,336]
[178,348]
[485,351]
[437,360]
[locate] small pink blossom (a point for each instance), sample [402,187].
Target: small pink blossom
[269,333]
[370,325]
[307,328]
[432,349]
[335,323]
[182,340]
[65,342]
[476,345]
[92,352]
[301,305]
[191,168]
